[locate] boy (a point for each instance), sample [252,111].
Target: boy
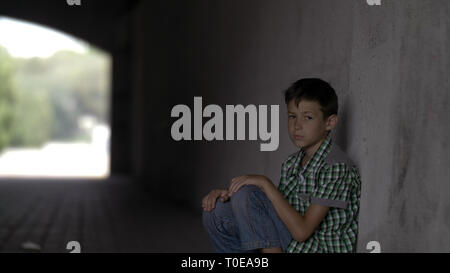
[315,207]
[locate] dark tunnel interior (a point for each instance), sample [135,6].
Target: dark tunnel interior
[117,214]
[388,64]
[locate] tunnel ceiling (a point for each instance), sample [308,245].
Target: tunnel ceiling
[93,21]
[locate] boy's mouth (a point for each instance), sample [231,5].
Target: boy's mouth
[298,137]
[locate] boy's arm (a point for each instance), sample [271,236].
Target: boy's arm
[300,226]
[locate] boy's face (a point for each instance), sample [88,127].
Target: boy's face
[306,124]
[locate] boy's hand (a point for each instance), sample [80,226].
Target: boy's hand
[209,201]
[252,179]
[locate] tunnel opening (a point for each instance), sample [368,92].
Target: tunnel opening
[55,92]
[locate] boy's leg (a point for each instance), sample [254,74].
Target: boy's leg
[258,223]
[246,223]
[222,229]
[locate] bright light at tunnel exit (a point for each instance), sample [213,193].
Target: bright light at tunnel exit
[54,159]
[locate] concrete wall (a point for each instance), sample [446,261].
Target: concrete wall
[399,104]
[388,64]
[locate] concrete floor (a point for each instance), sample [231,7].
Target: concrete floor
[103,216]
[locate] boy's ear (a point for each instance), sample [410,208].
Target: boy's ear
[331,122]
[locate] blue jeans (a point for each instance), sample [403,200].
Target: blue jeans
[245,223]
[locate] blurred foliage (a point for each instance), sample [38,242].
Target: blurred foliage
[33,118]
[44,99]
[7,99]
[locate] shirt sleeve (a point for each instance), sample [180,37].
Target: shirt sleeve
[285,167]
[334,186]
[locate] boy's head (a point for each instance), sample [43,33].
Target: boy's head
[312,111]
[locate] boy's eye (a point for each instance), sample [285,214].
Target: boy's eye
[291,116]
[308,117]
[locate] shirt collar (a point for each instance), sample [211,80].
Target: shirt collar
[320,154]
[293,173]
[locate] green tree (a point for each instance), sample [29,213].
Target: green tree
[7,98]
[43,99]
[33,117]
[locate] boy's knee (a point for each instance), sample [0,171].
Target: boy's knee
[245,191]
[240,199]
[207,219]
[221,211]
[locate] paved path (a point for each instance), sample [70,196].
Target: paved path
[103,216]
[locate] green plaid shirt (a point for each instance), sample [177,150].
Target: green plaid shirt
[329,179]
